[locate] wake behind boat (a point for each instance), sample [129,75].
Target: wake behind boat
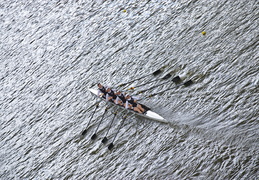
[148,113]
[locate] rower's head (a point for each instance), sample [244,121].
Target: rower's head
[99,85]
[118,93]
[127,96]
[108,89]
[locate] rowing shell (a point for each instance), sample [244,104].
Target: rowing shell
[149,114]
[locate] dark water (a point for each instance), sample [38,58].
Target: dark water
[51,52]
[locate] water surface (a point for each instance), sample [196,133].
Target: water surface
[51,52]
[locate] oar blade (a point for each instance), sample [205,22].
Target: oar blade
[166,76]
[84,132]
[104,140]
[157,72]
[176,80]
[94,136]
[110,146]
[188,83]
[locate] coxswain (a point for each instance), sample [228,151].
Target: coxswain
[130,102]
[101,90]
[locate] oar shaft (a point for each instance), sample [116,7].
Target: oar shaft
[164,90]
[144,84]
[105,137]
[101,119]
[139,92]
[167,76]
[95,135]
[111,145]
[187,83]
[96,107]
[115,114]
[119,128]
[154,73]
[123,84]
[96,103]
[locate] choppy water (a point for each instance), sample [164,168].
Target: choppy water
[51,52]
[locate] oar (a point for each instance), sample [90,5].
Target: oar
[163,78]
[112,145]
[154,73]
[95,135]
[176,79]
[97,102]
[186,84]
[105,138]
[96,107]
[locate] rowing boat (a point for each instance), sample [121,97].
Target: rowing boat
[148,114]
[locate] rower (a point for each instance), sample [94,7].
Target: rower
[133,103]
[101,90]
[120,98]
[110,96]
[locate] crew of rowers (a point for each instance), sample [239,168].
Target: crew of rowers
[119,98]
